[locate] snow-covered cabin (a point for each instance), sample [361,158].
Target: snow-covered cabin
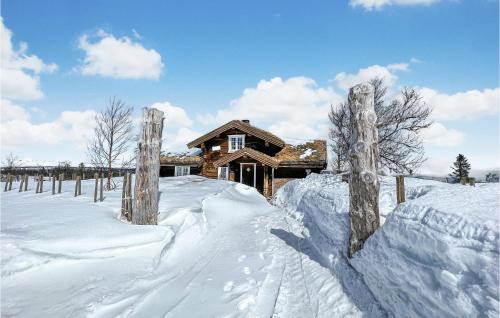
[241,152]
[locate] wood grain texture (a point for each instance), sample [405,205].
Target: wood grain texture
[363,156]
[148,168]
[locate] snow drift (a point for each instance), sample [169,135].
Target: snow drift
[435,255]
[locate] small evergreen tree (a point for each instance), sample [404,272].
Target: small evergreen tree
[461,168]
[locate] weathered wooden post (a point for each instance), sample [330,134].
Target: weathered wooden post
[26,178]
[148,168]
[124,191]
[37,184]
[53,184]
[6,183]
[61,177]
[363,156]
[21,185]
[76,185]
[400,189]
[129,197]
[41,183]
[10,182]
[96,177]
[101,192]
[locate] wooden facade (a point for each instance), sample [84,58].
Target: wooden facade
[255,157]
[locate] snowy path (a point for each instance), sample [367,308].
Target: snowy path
[220,251]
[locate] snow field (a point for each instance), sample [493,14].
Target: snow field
[435,255]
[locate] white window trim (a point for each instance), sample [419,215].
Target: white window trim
[227,173]
[254,172]
[181,168]
[229,148]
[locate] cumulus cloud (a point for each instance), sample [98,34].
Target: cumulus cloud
[470,104]
[438,135]
[17,129]
[388,73]
[379,4]
[122,58]
[298,104]
[20,72]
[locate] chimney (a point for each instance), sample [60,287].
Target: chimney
[246,121]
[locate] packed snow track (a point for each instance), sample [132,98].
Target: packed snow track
[220,250]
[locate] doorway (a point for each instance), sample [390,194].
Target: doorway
[248,173]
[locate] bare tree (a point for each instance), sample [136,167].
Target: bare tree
[112,136]
[398,123]
[11,161]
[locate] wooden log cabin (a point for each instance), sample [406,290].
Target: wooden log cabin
[241,152]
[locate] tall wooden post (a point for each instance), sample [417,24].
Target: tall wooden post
[96,177]
[363,156]
[53,184]
[147,171]
[26,178]
[61,177]
[21,184]
[124,191]
[400,189]
[101,191]
[6,183]
[10,182]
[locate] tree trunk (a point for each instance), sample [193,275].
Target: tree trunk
[363,156]
[148,168]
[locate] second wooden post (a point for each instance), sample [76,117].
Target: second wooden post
[363,157]
[148,168]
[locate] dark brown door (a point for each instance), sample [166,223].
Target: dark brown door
[248,174]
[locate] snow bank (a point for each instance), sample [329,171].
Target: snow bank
[435,256]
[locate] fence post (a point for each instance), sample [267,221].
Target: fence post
[59,188]
[101,190]
[96,177]
[148,168]
[124,197]
[21,185]
[400,189]
[53,184]
[6,183]
[363,156]
[76,186]
[10,182]
[26,179]
[79,186]
[41,183]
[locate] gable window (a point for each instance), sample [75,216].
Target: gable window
[236,142]
[182,171]
[223,173]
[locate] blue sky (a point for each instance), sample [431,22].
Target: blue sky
[279,63]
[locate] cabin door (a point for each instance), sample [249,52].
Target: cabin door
[248,173]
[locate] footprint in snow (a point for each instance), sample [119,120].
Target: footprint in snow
[228,286]
[241,258]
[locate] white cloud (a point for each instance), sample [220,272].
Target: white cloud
[471,104]
[20,72]
[18,131]
[438,135]
[379,4]
[174,116]
[10,111]
[293,103]
[121,58]
[175,140]
[388,73]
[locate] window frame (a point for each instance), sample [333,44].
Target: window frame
[219,173]
[230,148]
[182,169]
